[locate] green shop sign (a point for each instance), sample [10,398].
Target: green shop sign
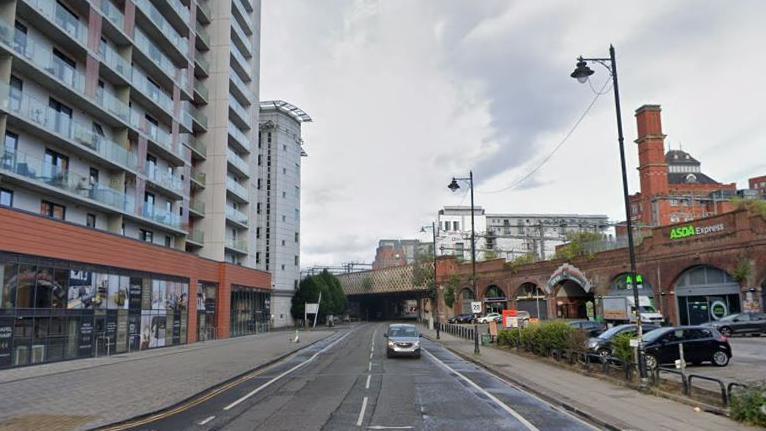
[689,231]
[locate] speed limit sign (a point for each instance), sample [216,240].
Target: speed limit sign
[476,307]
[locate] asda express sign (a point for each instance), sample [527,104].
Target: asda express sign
[689,231]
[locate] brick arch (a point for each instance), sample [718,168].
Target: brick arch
[489,286]
[686,268]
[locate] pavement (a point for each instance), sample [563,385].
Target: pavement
[610,405]
[346,382]
[86,393]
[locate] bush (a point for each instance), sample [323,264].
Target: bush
[507,337]
[621,348]
[748,405]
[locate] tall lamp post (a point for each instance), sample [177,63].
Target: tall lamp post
[582,72]
[436,287]
[454,186]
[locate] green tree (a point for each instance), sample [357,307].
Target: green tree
[753,205]
[577,245]
[423,272]
[524,259]
[333,298]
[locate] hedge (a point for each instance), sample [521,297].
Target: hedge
[749,405]
[543,338]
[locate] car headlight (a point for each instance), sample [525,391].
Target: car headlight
[416,343]
[592,344]
[390,343]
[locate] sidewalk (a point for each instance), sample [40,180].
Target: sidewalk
[86,393]
[615,406]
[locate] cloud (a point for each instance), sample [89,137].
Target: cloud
[407,94]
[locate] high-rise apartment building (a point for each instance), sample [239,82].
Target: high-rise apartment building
[128,131]
[279,153]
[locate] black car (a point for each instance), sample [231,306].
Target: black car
[590,327]
[740,323]
[700,344]
[461,318]
[602,344]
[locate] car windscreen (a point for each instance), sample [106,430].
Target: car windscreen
[729,317]
[611,332]
[650,337]
[403,331]
[648,309]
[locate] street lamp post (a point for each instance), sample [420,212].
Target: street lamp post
[436,288]
[582,72]
[454,186]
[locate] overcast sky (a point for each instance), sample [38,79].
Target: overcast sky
[407,93]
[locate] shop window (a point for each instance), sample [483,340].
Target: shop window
[147,235]
[25,286]
[6,198]
[8,270]
[167,241]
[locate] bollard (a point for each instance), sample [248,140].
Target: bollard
[437,329]
[475,339]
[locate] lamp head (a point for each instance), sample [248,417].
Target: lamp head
[582,71]
[454,186]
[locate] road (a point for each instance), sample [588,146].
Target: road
[347,383]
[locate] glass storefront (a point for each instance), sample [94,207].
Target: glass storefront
[705,294]
[54,310]
[206,315]
[250,311]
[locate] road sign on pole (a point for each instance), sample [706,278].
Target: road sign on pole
[476,307]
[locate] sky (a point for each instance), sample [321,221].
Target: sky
[406,94]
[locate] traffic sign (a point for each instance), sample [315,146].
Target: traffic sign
[476,307]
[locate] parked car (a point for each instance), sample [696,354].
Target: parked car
[461,318]
[740,323]
[403,340]
[700,344]
[489,317]
[590,327]
[602,345]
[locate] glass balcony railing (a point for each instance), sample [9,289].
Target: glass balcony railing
[37,170]
[160,137]
[239,136]
[198,116]
[164,178]
[152,91]
[196,236]
[197,145]
[205,8]
[161,216]
[243,14]
[198,176]
[242,37]
[237,188]
[240,84]
[237,244]
[203,34]
[117,62]
[62,18]
[43,57]
[166,29]
[180,9]
[113,14]
[239,109]
[236,215]
[197,205]
[154,53]
[237,161]
[248,5]
[55,122]
[239,57]
[202,61]
[201,89]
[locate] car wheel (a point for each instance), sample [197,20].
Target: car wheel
[720,359]
[651,362]
[725,331]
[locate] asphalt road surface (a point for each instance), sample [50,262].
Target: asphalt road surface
[347,383]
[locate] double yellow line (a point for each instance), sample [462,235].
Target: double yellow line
[185,406]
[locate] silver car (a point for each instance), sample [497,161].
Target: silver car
[403,340]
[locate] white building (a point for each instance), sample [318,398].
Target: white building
[510,235]
[279,201]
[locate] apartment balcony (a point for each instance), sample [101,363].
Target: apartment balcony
[238,114]
[241,39]
[159,140]
[167,36]
[198,178]
[204,14]
[196,237]
[157,102]
[239,166]
[201,93]
[248,5]
[237,217]
[175,12]
[112,14]
[117,64]
[164,181]
[196,207]
[238,138]
[239,13]
[202,42]
[162,217]
[201,66]
[198,119]
[153,59]
[198,148]
[239,89]
[237,190]
[20,167]
[239,64]
[39,119]
[236,245]
[64,26]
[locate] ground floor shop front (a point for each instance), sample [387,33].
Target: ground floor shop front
[68,292]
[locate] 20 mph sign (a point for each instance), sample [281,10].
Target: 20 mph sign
[476,307]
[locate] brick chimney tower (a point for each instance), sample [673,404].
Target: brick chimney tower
[652,167]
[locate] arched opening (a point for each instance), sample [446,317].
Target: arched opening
[494,299]
[532,299]
[705,293]
[620,287]
[466,297]
[573,301]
